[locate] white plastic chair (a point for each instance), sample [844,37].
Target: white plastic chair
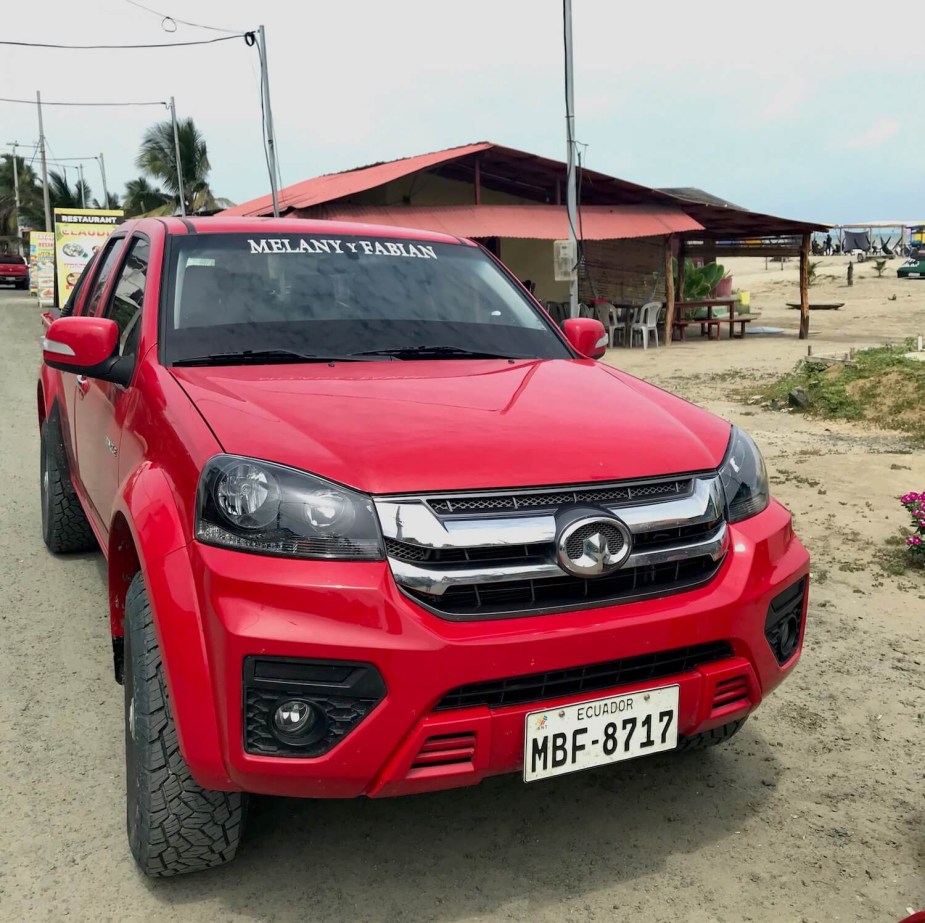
[617,323]
[647,323]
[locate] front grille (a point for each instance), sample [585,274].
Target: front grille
[537,687]
[484,600]
[548,501]
[495,554]
[539,551]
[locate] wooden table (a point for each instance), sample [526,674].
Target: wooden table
[710,321]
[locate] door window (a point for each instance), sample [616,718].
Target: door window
[110,256]
[128,295]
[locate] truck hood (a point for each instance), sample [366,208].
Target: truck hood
[394,427]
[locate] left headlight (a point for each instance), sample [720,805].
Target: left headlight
[744,477]
[253,505]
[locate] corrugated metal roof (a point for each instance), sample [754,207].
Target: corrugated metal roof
[338,185]
[538,222]
[693,194]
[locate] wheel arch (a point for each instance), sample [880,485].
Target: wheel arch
[147,537]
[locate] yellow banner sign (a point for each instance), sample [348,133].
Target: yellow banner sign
[42,266]
[79,233]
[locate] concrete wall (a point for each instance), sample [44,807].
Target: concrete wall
[532,259]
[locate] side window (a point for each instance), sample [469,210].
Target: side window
[128,295]
[108,261]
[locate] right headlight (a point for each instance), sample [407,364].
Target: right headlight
[744,477]
[258,506]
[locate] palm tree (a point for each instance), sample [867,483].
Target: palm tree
[63,196]
[141,198]
[30,196]
[112,202]
[157,159]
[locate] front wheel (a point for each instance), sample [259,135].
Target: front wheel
[174,825]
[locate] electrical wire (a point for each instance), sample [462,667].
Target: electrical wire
[165,17]
[204,41]
[45,102]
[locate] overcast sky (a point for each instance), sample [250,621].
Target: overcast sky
[803,109]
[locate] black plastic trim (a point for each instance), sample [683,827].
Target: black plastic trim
[329,677]
[596,677]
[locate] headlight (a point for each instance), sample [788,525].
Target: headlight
[744,477]
[254,505]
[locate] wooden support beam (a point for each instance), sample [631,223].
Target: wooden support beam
[669,292]
[682,255]
[804,288]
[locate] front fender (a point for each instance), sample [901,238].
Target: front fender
[147,505]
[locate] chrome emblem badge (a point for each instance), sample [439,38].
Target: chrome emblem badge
[593,546]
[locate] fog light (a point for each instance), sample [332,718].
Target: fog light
[788,637]
[294,720]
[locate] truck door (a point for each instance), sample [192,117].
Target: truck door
[98,423]
[86,304]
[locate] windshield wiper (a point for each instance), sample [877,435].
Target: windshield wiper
[435,352]
[266,356]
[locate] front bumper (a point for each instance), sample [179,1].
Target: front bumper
[255,605]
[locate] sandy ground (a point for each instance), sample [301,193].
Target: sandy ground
[813,813]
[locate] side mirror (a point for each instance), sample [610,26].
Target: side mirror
[85,346]
[587,336]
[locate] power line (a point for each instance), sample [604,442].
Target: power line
[167,18]
[45,102]
[205,41]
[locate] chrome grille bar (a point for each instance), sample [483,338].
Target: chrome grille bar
[435,581]
[411,520]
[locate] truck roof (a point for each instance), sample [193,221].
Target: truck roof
[237,225]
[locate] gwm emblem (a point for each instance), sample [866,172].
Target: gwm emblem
[594,546]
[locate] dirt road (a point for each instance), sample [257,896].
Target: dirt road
[814,812]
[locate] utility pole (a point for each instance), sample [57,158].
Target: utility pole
[14,145]
[176,147]
[572,192]
[268,118]
[48,225]
[103,174]
[80,180]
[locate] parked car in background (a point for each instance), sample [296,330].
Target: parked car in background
[14,270]
[375,526]
[913,268]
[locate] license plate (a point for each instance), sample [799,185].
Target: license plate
[599,731]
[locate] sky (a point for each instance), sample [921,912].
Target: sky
[800,109]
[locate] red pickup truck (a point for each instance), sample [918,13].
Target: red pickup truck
[375,525]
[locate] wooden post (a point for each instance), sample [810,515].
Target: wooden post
[804,288]
[669,292]
[681,258]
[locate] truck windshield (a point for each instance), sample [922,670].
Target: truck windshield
[341,296]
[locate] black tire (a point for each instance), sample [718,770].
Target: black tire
[22,286]
[711,738]
[64,524]
[174,825]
